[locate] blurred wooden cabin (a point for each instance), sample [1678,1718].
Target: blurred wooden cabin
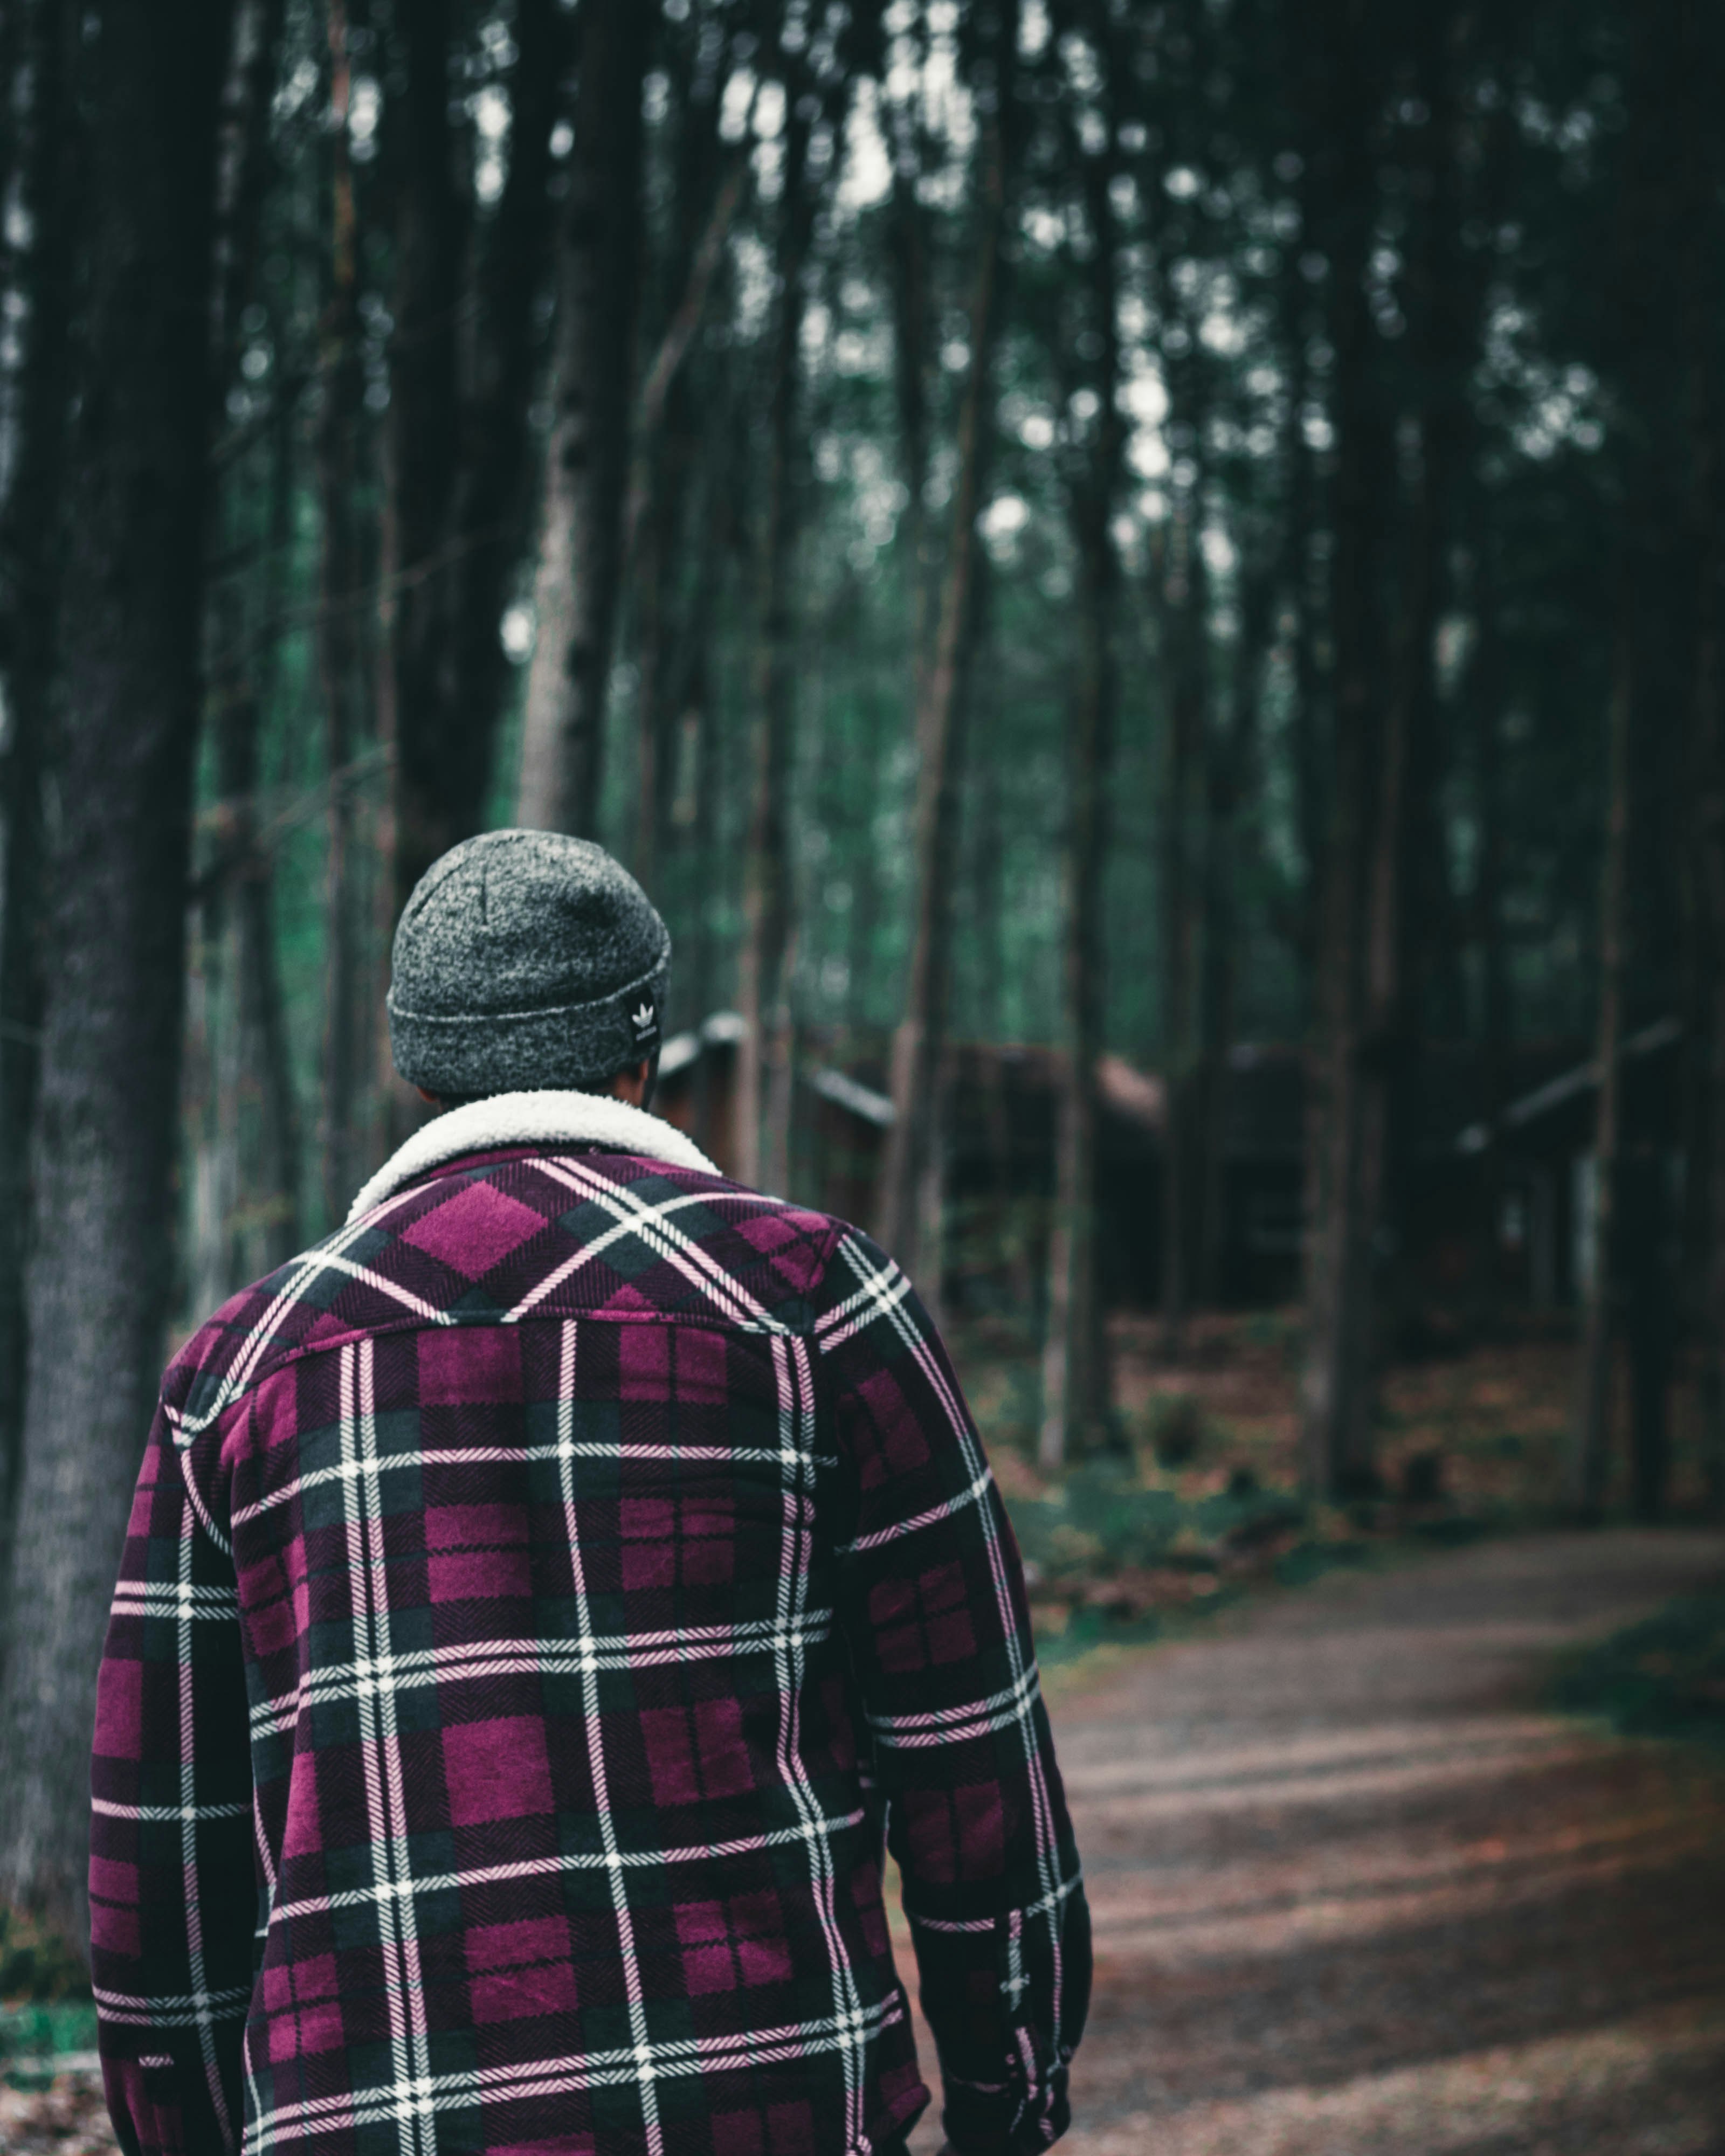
[1494,1205]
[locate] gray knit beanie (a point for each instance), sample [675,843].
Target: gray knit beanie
[526,961]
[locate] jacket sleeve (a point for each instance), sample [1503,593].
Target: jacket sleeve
[933,1601]
[172,1881]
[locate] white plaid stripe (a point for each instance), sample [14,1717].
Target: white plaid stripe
[487,1456]
[796,1412]
[540,1867]
[179,1598]
[364,1535]
[900,1528]
[426,1668]
[423,2121]
[642,2051]
[163,1814]
[205,2015]
[165,2010]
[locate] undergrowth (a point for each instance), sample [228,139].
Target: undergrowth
[1665,1677]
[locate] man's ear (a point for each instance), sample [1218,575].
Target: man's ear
[631,1083]
[430,1099]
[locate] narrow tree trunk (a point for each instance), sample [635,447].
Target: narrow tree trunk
[1228,771]
[1589,1461]
[1301,597]
[1355,956]
[423,455]
[123,767]
[347,1032]
[495,505]
[918,1046]
[1486,696]
[265,1115]
[1076,1392]
[587,458]
[1186,612]
[763,988]
[1411,947]
[1704,1239]
[667,450]
[31,552]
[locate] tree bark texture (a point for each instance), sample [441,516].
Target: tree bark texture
[1358,940]
[667,455]
[99,1273]
[424,460]
[1185,613]
[344,1140]
[763,1054]
[1075,1391]
[495,502]
[911,1173]
[1704,1237]
[1589,1459]
[31,559]
[1229,769]
[586,460]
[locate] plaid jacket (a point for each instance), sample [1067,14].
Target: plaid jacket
[526,1592]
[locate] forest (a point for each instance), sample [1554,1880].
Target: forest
[1140,581]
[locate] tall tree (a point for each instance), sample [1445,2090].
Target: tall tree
[909,1223]
[345,1144]
[495,502]
[31,535]
[421,542]
[1359,945]
[465,359]
[587,458]
[1184,610]
[1703,228]
[122,766]
[763,1075]
[669,435]
[1590,1451]
[1075,1360]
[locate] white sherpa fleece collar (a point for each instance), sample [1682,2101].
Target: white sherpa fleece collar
[535,1119]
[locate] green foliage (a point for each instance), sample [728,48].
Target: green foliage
[1665,1677]
[1179,1429]
[37,1966]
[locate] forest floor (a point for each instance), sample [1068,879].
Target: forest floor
[1357,1891]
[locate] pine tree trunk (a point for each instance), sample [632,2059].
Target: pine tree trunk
[1075,1388]
[1704,910]
[1590,1462]
[493,504]
[1354,960]
[910,1178]
[1485,695]
[1186,612]
[587,458]
[1229,769]
[423,463]
[667,459]
[31,543]
[763,1061]
[123,756]
[342,676]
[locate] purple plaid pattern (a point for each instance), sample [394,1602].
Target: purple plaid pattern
[531,1594]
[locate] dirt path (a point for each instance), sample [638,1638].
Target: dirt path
[1354,1892]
